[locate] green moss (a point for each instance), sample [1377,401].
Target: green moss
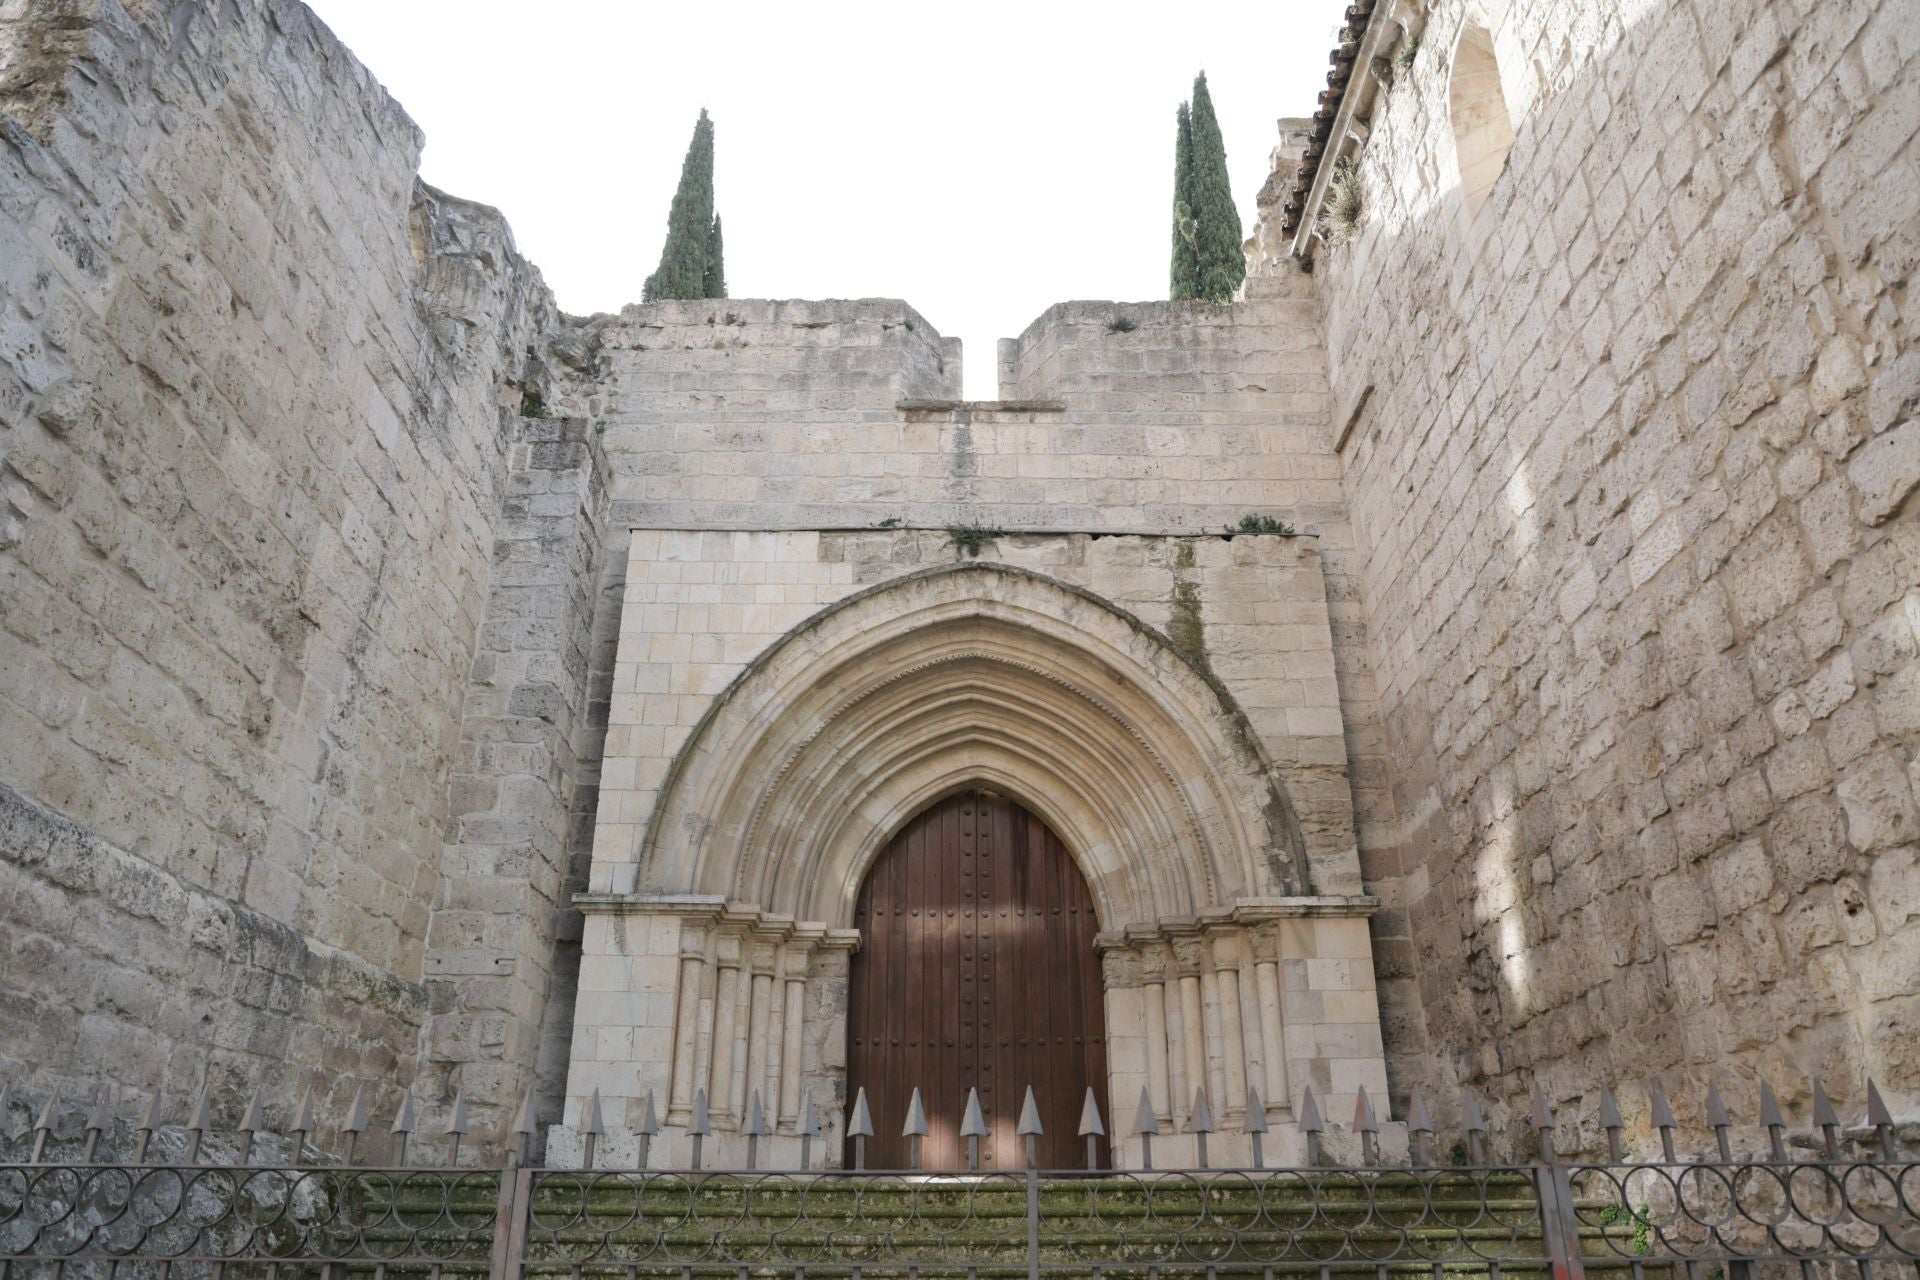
[972,538]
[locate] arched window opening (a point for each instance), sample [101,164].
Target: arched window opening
[1482,127]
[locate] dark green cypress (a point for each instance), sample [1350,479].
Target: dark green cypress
[1185,277]
[683,259]
[716,276]
[1217,238]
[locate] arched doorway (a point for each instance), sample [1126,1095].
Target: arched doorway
[976,969]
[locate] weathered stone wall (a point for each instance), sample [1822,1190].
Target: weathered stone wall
[254,449]
[1631,462]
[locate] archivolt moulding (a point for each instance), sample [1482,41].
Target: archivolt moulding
[974,675]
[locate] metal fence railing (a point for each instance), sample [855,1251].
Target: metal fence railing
[180,1201]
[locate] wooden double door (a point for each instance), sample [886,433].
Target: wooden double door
[976,969]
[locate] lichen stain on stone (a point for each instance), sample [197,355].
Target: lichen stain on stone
[1186,628]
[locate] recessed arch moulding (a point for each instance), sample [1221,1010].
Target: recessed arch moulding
[745,799]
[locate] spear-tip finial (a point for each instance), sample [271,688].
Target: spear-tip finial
[702,1121]
[1418,1121]
[1542,1112]
[1029,1116]
[1256,1119]
[1609,1110]
[1717,1117]
[756,1117]
[596,1120]
[1770,1117]
[1091,1126]
[1363,1119]
[1310,1121]
[457,1120]
[649,1121]
[1657,1100]
[973,1124]
[861,1123]
[403,1120]
[916,1125]
[1472,1119]
[1144,1120]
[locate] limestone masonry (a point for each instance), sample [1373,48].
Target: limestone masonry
[404,684]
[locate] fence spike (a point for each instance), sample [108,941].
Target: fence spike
[1146,1124]
[457,1122]
[649,1126]
[252,1120]
[1311,1125]
[973,1124]
[1880,1118]
[1474,1122]
[1256,1119]
[1310,1121]
[43,1127]
[1825,1117]
[304,1118]
[973,1127]
[916,1124]
[702,1125]
[356,1112]
[1419,1128]
[756,1128]
[809,1118]
[404,1125]
[596,1122]
[1542,1112]
[1091,1125]
[1029,1116]
[860,1128]
[1363,1117]
[199,1120]
[1774,1123]
[1201,1118]
[861,1125]
[1657,1099]
[404,1121]
[1611,1122]
[6,1101]
[149,1125]
[100,1120]
[1719,1122]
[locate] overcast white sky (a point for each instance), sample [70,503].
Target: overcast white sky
[980,160]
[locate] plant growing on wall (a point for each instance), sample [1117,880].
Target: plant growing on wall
[1340,212]
[690,261]
[1208,262]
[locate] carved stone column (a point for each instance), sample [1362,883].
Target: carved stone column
[762,1031]
[1153,998]
[726,1005]
[1189,957]
[1233,1041]
[1273,1046]
[793,981]
[687,1038]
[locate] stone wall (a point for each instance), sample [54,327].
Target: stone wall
[253,452]
[1631,458]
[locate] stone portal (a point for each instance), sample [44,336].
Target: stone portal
[787,742]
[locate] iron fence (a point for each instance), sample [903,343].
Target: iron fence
[180,1201]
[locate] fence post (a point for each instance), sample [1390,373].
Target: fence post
[510,1223]
[1559,1228]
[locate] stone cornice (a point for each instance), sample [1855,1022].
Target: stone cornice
[711,909]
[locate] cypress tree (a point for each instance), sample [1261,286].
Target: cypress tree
[1185,276]
[691,240]
[1217,238]
[715,280]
